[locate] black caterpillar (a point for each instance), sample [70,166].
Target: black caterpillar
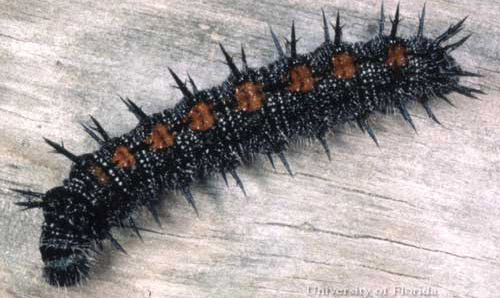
[255,111]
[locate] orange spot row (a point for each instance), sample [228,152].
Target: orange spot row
[344,66]
[202,117]
[250,97]
[161,138]
[99,173]
[397,56]
[123,157]
[302,79]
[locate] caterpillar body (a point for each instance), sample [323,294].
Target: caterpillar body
[254,111]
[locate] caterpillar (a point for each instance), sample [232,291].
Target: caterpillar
[254,111]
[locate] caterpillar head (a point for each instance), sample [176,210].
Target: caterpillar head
[63,266]
[65,241]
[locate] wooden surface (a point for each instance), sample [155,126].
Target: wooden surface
[421,212]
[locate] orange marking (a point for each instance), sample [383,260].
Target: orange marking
[161,138]
[250,97]
[397,56]
[99,173]
[302,79]
[202,117]
[345,66]
[123,157]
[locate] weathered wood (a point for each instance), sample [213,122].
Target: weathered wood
[420,212]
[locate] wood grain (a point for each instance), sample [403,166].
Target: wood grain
[421,212]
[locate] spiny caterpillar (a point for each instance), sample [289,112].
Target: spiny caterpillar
[255,111]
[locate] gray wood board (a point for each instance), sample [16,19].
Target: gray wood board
[421,212]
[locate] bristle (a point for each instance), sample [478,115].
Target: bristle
[429,111]
[230,62]
[293,42]
[282,157]
[100,130]
[189,198]
[464,73]
[407,116]
[371,133]
[152,209]
[224,176]
[446,99]
[30,204]
[338,31]
[133,226]
[421,22]
[459,72]
[185,91]
[28,193]
[92,134]
[132,107]
[270,157]
[238,181]
[395,24]
[244,59]
[277,43]
[381,20]
[61,150]
[467,91]
[140,229]
[451,47]
[325,28]
[361,127]
[116,244]
[364,126]
[450,32]
[193,85]
[325,146]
